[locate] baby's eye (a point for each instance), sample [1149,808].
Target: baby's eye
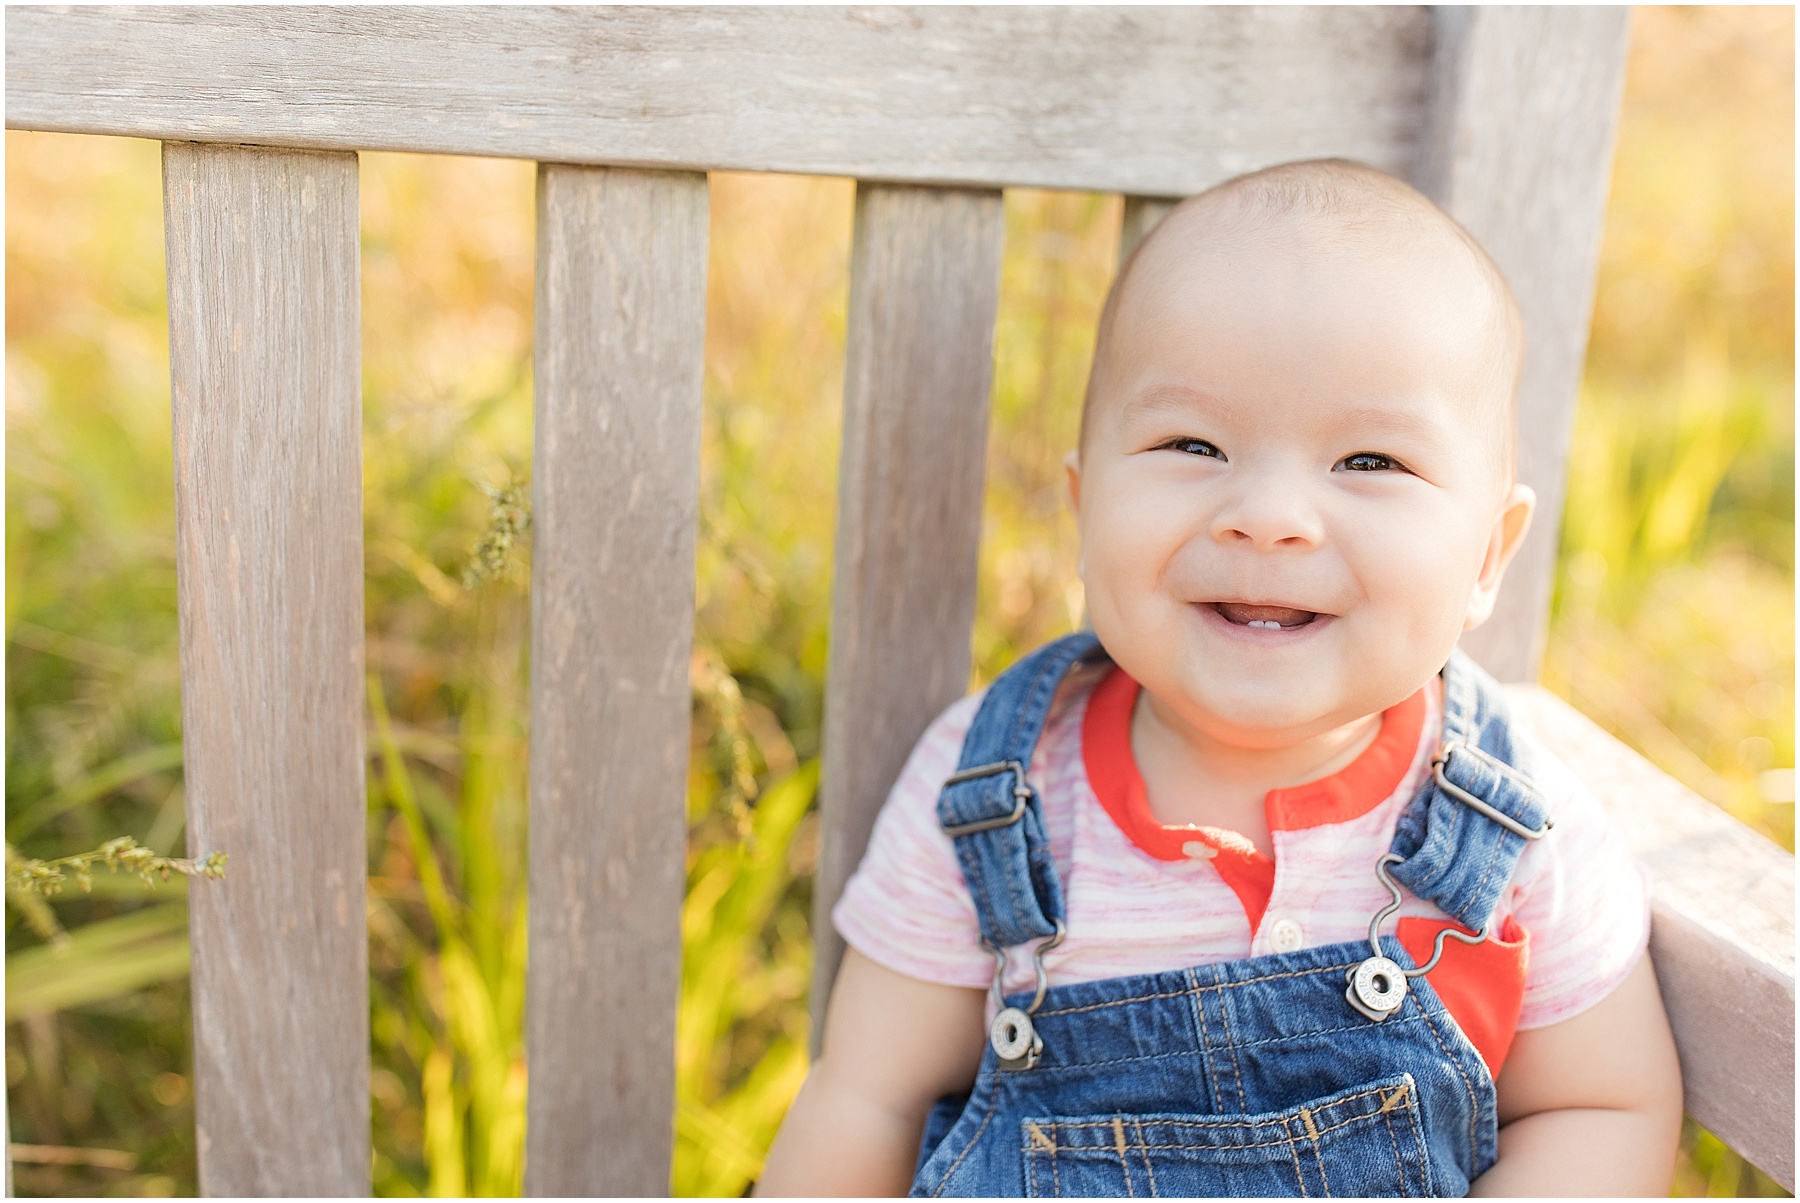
[1370,461]
[1192,447]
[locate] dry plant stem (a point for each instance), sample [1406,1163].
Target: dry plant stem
[509,520]
[30,876]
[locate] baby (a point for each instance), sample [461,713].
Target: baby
[1256,889]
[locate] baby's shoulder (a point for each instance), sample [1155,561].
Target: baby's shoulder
[939,750]
[1564,794]
[1583,841]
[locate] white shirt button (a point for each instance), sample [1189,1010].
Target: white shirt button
[1286,936]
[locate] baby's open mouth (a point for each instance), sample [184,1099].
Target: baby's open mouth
[1268,618]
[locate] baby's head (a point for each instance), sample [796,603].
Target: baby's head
[1295,483]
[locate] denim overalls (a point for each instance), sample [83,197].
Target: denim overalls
[1328,1071]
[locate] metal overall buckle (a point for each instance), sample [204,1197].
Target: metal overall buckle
[1021,792]
[1377,986]
[1015,1038]
[1480,806]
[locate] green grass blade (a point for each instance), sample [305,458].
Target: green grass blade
[97,784]
[102,960]
[105,936]
[398,784]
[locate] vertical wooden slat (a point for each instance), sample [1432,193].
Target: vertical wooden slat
[1518,147]
[1142,214]
[264,348]
[924,285]
[621,311]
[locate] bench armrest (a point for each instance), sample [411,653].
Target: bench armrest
[1722,933]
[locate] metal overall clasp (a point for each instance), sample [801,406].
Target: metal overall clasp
[1377,986]
[1015,1038]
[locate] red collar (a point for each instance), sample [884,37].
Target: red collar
[1350,792]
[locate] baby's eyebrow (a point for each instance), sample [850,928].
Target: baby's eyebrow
[1173,399]
[1378,421]
[1385,420]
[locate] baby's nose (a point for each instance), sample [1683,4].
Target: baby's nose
[1268,518]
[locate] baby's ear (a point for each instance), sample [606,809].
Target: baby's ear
[1508,532]
[1072,466]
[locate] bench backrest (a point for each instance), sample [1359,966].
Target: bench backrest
[1505,116]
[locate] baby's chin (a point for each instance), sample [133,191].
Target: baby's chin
[1302,698]
[1259,714]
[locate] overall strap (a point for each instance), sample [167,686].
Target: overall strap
[989,809]
[1462,834]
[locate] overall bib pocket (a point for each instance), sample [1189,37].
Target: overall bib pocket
[1368,1140]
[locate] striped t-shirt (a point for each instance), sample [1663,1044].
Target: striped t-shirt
[1142,897]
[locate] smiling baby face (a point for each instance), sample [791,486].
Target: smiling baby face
[1294,486]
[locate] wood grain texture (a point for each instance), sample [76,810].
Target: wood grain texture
[1518,148]
[265,354]
[1153,101]
[1142,214]
[621,317]
[924,286]
[1722,934]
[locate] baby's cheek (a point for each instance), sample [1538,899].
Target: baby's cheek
[1421,580]
[1128,603]
[1129,545]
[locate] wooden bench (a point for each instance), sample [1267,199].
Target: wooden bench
[1505,116]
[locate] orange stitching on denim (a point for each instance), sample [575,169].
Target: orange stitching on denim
[1468,1086]
[1276,977]
[1249,981]
[1333,1105]
[1412,1116]
[1387,1120]
[1312,1132]
[1212,1082]
[1392,1024]
[993,1101]
[1282,1122]
[1266,1144]
[1294,1154]
[1119,1002]
[1237,1070]
[1031,1153]
[1118,1127]
[1149,1170]
[1188,1148]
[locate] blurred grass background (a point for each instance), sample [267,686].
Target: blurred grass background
[1673,620]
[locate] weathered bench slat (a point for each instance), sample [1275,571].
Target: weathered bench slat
[1518,148]
[621,314]
[1157,101]
[924,287]
[1722,935]
[265,351]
